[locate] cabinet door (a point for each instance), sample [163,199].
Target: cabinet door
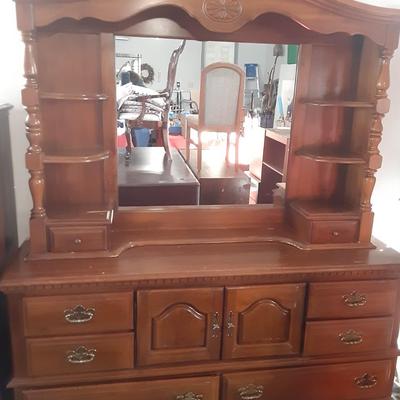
[263,321]
[179,325]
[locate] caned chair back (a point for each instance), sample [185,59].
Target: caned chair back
[221,97]
[172,67]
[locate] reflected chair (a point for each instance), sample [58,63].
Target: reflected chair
[147,108]
[220,108]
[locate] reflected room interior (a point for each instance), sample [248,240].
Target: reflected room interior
[202,123]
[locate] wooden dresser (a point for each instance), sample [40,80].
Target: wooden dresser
[222,321]
[204,302]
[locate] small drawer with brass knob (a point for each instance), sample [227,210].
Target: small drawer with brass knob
[348,336]
[77,354]
[68,239]
[333,232]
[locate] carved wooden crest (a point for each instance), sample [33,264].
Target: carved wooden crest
[222,10]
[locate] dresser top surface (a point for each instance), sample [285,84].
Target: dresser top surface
[198,264]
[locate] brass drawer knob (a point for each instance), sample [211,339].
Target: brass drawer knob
[81,355]
[355,299]
[78,241]
[366,381]
[351,337]
[335,234]
[79,314]
[251,392]
[189,396]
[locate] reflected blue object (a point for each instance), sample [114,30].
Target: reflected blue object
[141,137]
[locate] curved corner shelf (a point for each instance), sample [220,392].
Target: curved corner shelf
[73,96]
[325,209]
[76,158]
[339,103]
[331,156]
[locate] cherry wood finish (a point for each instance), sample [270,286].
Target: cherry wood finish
[207,388]
[341,99]
[220,182]
[357,381]
[170,314]
[151,179]
[78,314]
[179,325]
[75,239]
[352,299]
[181,271]
[263,321]
[335,337]
[80,354]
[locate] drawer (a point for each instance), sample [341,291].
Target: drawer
[78,314]
[348,336]
[334,231]
[352,299]
[75,355]
[369,380]
[175,389]
[75,239]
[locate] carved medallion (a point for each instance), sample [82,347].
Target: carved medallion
[222,10]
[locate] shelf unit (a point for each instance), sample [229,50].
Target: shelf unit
[77,155]
[324,209]
[73,96]
[331,145]
[274,164]
[73,157]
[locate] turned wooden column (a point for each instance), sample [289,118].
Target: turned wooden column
[375,138]
[34,154]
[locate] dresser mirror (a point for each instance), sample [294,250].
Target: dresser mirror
[255,110]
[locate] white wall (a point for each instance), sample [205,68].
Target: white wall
[261,54]
[157,53]
[11,82]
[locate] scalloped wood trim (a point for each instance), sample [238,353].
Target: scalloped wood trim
[323,16]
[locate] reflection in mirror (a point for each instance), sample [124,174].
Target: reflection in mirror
[202,123]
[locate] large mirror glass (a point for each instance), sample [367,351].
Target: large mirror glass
[202,123]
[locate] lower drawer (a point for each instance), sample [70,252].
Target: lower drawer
[348,336]
[75,355]
[204,388]
[369,380]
